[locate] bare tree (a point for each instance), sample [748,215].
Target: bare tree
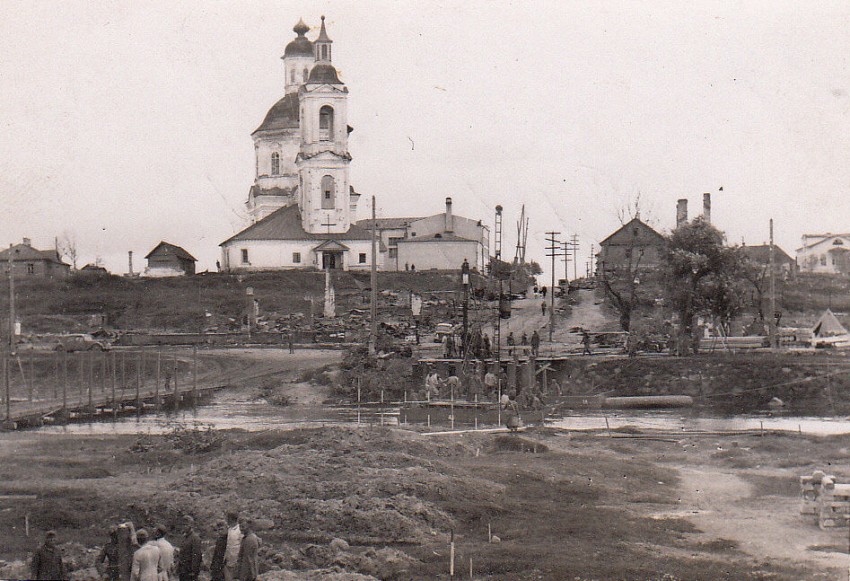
[621,283]
[67,248]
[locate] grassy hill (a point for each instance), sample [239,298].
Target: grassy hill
[182,304]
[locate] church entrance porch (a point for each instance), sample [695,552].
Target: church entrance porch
[332,260]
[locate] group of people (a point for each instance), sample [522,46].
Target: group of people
[524,341]
[136,555]
[480,346]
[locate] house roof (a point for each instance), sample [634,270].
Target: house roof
[388,223]
[285,224]
[285,114]
[631,224]
[826,238]
[21,252]
[168,249]
[439,237]
[331,245]
[761,253]
[828,326]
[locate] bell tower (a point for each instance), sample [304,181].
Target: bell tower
[325,196]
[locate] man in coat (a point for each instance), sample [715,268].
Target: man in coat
[47,560]
[231,551]
[166,553]
[146,560]
[246,566]
[191,553]
[217,563]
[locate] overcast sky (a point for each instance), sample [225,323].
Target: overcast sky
[126,123]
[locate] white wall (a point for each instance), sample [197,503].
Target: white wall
[277,254]
[439,254]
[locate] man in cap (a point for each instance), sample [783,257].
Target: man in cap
[146,560]
[47,560]
[246,566]
[190,556]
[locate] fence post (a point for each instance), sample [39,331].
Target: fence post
[114,374]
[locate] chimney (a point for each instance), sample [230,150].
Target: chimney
[681,212]
[450,220]
[706,208]
[130,260]
[27,242]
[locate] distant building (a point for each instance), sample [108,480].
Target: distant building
[440,242]
[634,246]
[825,253]
[30,262]
[169,260]
[760,254]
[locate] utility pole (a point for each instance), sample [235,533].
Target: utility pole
[554,250]
[373,330]
[575,253]
[774,343]
[7,363]
[567,264]
[498,232]
[464,277]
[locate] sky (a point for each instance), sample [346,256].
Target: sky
[126,123]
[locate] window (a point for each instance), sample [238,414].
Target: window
[30,269]
[823,259]
[328,193]
[245,256]
[324,52]
[438,235]
[306,74]
[393,252]
[296,257]
[362,258]
[292,76]
[326,123]
[393,241]
[275,163]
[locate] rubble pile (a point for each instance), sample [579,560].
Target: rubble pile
[826,500]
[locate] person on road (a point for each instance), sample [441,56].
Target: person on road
[543,292]
[535,343]
[246,565]
[146,560]
[217,563]
[511,342]
[524,339]
[47,560]
[109,556]
[486,349]
[543,307]
[234,541]
[585,341]
[166,553]
[191,552]
[490,382]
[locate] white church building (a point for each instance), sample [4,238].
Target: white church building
[302,205]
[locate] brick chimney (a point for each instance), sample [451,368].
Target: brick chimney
[681,212]
[27,242]
[450,220]
[130,262]
[706,207]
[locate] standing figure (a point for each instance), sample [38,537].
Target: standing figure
[190,557]
[234,541]
[510,342]
[585,341]
[543,308]
[535,343]
[217,563]
[47,560]
[543,292]
[146,559]
[166,553]
[486,349]
[246,565]
[524,339]
[127,541]
[109,555]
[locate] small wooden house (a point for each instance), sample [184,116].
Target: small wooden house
[169,260]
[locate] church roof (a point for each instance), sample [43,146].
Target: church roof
[324,74]
[168,249]
[285,224]
[283,115]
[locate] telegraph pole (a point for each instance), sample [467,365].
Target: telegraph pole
[373,330]
[7,363]
[575,253]
[464,277]
[554,249]
[774,343]
[567,264]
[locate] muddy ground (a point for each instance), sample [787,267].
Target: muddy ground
[564,505]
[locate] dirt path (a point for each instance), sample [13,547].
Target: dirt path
[768,528]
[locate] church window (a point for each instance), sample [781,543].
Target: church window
[362,258]
[275,163]
[324,52]
[296,257]
[328,193]
[245,256]
[292,76]
[326,123]
[30,269]
[306,74]
[823,259]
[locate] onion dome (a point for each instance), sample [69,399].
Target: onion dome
[301,46]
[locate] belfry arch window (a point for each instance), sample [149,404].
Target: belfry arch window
[328,193]
[326,123]
[275,163]
[292,76]
[306,74]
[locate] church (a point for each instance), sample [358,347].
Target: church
[302,205]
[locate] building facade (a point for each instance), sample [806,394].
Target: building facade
[169,260]
[634,246]
[824,253]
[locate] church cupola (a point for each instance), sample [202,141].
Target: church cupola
[323,45]
[298,58]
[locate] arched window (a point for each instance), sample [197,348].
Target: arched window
[275,163]
[326,123]
[328,193]
[292,76]
[306,74]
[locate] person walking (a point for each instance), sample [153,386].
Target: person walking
[543,291]
[246,564]
[234,541]
[217,563]
[524,340]
[166,553]
[535,343]
[585,341]
[510,342]
[543,308]
[47,560]
[109,556]
[146,559]
[190,557]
